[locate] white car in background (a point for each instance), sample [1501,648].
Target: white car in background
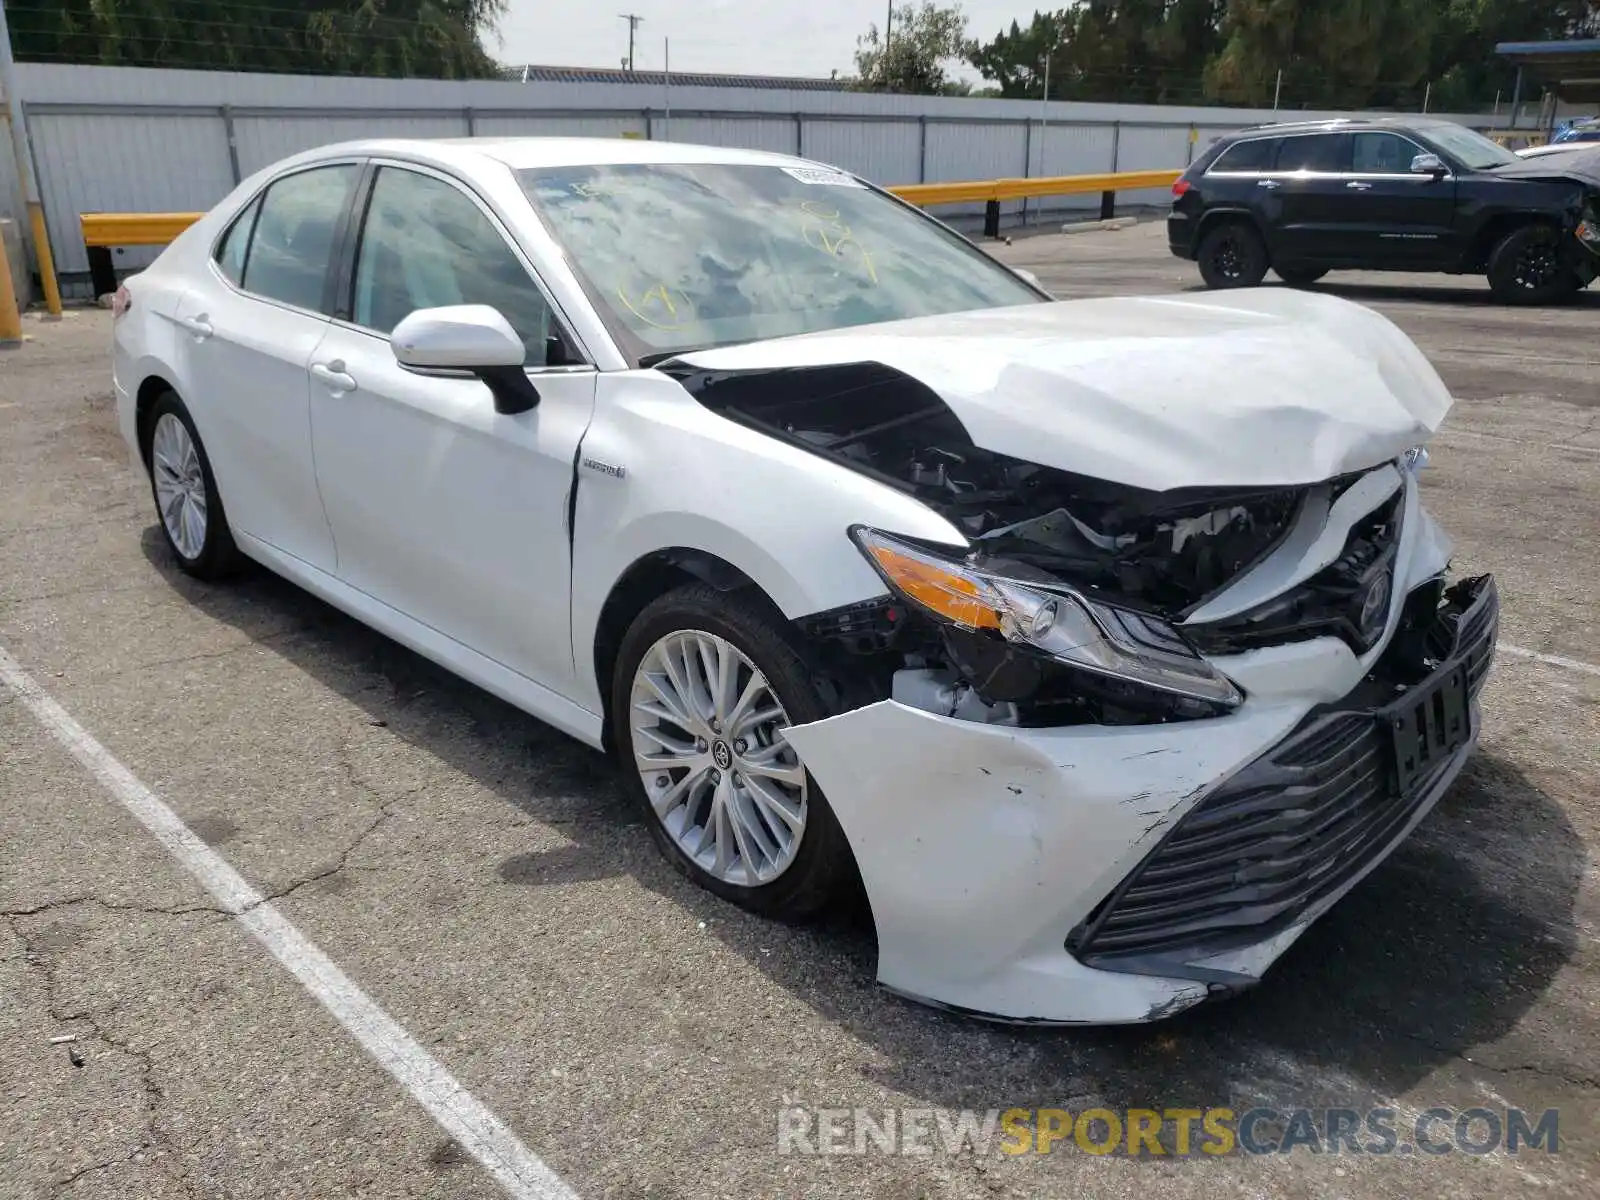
[1106,642]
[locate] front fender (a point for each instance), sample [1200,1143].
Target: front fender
[659,471]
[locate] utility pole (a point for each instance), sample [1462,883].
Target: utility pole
[25,175]
[634,20]
[888,34]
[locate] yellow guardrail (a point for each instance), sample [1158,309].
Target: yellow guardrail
[134,229]
[925,195]
[103,231]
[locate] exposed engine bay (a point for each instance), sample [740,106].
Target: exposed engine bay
[1158,553]
[1164,552]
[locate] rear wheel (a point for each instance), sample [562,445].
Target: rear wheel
[1232,255]
[1300,276]
[1527,267]
[185,491]
[706,683]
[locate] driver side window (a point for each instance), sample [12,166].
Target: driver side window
[426,244]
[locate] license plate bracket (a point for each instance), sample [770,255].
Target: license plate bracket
[1428,726]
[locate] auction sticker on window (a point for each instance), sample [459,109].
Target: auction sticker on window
[822,177]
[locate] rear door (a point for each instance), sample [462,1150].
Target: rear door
[1307,183]
[250,325]
[1397,217]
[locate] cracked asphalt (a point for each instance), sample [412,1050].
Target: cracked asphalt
[481,877]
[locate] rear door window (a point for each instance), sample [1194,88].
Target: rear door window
[1317,152]
[1255,155]
[292,247]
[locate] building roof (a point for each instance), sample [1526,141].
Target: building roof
[534,72]
[1570,69]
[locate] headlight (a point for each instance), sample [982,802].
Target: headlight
[1049,617]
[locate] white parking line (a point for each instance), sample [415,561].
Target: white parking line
[483,1135]
[1554,660]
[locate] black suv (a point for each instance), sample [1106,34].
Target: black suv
[1388,195]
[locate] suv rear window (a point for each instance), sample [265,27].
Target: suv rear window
[1256,154]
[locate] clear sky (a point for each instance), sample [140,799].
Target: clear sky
[751,37]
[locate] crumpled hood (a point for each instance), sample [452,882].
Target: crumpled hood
[1260,387]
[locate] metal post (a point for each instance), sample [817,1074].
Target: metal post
[800,134]
[1498,93]
[470,121]
[1427,95]
[1044,107]
[10,318]
[922,149]
[25,172]
[1516,101]
[233,141]
[1027,165]
[1277,90]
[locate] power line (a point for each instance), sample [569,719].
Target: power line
[634,20]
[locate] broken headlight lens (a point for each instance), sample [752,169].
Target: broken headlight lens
[1049,617]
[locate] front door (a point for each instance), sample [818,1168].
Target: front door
[441,507]
[1397,217]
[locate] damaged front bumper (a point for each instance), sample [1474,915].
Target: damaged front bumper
[1103,874]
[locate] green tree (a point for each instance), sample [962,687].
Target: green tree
[1464,67]
[922,41]
[427,38]
[1332,53]
[1131,50]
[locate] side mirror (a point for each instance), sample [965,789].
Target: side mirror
[471,338]
[1029,277]
[1429,164]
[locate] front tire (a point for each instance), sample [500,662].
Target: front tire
[1232,255]
[188,506]
[1527,268]
[705,683]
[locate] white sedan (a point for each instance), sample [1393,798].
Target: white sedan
[1105,643]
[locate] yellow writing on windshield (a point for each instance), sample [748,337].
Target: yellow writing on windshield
[661,307]
[824,230]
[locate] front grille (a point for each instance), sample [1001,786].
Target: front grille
[1349,598]
[1291,829]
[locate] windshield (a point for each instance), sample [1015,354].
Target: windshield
[1469,147]
[681,256]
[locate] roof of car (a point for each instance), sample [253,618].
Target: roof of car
[522,153]
[1337,123]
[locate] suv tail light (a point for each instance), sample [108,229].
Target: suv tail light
[1181,189]
[121,302]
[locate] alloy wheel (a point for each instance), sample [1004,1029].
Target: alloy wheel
[708,744]
[1537,266]
[180,485]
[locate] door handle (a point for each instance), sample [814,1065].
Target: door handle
[199,326]
[334,376]
[1359,185]
[1269,184]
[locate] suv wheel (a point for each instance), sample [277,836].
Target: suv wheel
[1232,255]
[706,683]
[1300,276]
[1527,267]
